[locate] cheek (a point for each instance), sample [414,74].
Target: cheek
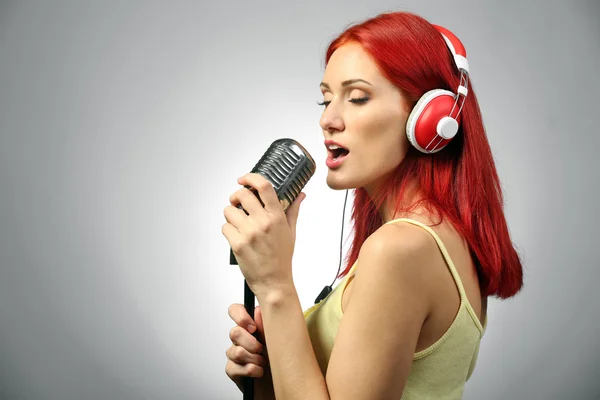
[392,151]
[387,132]
[382,133]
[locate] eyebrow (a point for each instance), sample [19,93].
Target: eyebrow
[345,83]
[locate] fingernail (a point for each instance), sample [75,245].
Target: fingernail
[251,328]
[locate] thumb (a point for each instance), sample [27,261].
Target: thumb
[293,211]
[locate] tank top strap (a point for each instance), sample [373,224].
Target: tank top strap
[451,267]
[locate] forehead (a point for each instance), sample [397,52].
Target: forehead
[350,61]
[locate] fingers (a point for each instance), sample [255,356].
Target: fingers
[240,355]
[236,217]
[246,357]
[244,202]
[240,316]
[244,334]
[265,189]
[293,212]
[236,371]
[241,337]
[248,198]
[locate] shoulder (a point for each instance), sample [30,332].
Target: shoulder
[401,245]
[398,258]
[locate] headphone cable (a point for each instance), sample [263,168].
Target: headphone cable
[327,289]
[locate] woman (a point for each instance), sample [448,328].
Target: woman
[430,245]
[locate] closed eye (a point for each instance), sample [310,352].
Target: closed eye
[360,100]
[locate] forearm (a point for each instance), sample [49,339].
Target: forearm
[263,386]
[294,368]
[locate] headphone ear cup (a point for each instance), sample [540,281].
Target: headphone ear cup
[421,125]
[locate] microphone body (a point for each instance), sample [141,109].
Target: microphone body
[288,166]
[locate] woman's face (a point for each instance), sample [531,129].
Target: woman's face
[366,114]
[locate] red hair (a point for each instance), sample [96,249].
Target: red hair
[459,183]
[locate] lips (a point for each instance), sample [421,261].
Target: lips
[334,162]
[337,152]
[337,155]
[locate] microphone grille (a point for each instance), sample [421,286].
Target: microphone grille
[288,166]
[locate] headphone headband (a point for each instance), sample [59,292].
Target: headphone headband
[456,47]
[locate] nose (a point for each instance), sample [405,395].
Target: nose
[331,120]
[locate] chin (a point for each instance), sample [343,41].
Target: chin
[336,183]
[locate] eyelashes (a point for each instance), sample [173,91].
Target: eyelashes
[360,100]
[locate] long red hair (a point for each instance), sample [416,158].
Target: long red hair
[459,183]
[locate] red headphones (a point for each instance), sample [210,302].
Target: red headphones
[434,120]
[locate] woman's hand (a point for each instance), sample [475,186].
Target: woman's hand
[262,238]
[247,356]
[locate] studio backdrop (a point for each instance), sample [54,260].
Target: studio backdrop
[123,128]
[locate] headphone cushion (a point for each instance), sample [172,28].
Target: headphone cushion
[421,126]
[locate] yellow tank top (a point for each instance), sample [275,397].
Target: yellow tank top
[437,372]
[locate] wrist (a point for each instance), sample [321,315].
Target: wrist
[276,295]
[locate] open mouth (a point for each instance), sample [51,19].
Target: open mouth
[337,153]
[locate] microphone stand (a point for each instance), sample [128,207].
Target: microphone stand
[287,159]
[248,382]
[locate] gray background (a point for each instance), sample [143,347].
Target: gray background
[123,127]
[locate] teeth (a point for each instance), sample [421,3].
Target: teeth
[333,147]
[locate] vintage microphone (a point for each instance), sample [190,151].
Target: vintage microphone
[288,166]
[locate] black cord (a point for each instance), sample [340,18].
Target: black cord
[327,289]
[341,238]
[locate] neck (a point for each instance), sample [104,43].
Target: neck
[388,210]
